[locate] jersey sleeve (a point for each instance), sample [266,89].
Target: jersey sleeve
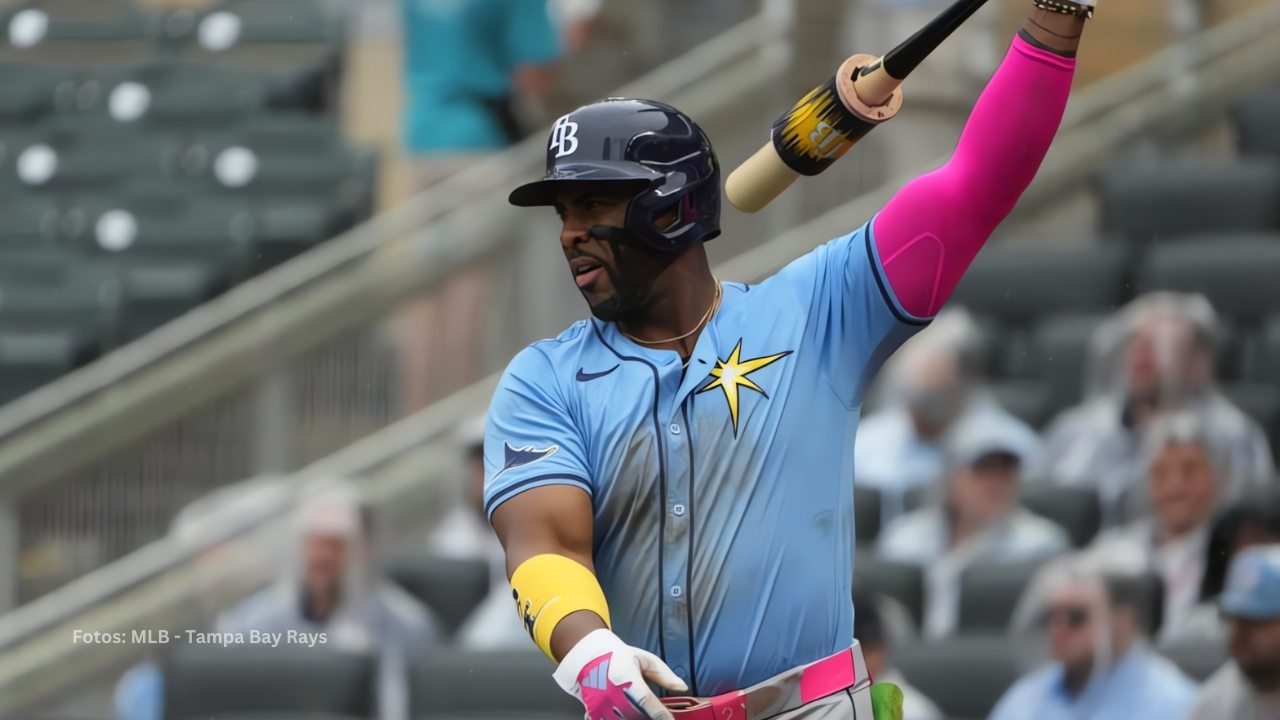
[530,438]
[530,39]
[855,322]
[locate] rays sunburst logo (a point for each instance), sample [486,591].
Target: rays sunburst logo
[732,373]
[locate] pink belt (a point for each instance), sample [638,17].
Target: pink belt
[786,691]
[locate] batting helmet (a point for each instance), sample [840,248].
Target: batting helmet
[644,142]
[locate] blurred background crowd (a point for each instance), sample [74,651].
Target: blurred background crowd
[257,273]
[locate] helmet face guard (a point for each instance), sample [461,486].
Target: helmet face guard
[653,145]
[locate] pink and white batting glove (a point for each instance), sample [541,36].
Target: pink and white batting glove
[609,677]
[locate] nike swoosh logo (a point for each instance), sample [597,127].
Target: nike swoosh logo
[584,376]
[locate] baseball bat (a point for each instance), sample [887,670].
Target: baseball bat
[834,116]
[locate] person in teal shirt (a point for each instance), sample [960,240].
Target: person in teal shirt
[464,63]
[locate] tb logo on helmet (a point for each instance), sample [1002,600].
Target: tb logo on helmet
[564,137]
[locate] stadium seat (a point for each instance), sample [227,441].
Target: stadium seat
[1157,202]
[50,292]
[451,587]
[77,33]
[67,155]
[493,685]
[31,358]
[175,226]
[28,91]
[1031,401]
[1197,658]
[157,291]
[1055,353]
[203,681]
[285,227]
[964,675]
[1265,365]
[900,581]
[989,593]
[1023,280]
[866,510]
[1076,509]
[1256,121]
[177,93]
[1259,401]
[1238,274]
[31,223]
[269,34]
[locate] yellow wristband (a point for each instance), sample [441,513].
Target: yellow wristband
[548,588]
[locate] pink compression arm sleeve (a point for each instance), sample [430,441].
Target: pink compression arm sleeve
[933,228]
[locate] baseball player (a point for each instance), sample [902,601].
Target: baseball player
[672,478]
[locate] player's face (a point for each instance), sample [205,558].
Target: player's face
[1182,486]
[614,275]
[1255,645]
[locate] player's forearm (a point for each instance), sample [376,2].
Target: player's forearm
[1053,31]
[932,229]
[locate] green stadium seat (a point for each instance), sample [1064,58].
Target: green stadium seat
[157,291]
[31,223]
[30,358]
[176,226]
[285,228]
[1260,401]
[1170,199]
[1028,280]
[65,155]
[900,581]
[989,594]
[270,34]
[60,296]
[451,587]
[178,93]
[1256,119]
[1238,274]
[77,33]
[29,91]
[205,681]
[1055,353]
[1264,365]
[1031,401]
[461,684]
[1077,510]
[965,675]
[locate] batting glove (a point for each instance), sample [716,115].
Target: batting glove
[609,677]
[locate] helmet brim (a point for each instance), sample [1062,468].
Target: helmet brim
[545,191]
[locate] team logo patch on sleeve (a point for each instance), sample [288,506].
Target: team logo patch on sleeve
[527,455]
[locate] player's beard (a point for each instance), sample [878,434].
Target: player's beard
[633,289]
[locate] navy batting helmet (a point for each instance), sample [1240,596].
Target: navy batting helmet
[639,141]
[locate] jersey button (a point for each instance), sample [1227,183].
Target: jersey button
[675,429]
[676,591]
[677,510]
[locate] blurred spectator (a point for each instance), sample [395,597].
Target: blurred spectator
[933,385]
[1248,687]
[467,65]
[1253,520]
[1155,356]
[335,585]
[1102,669]
[1186,468]
[466,533]
[872,632]
[576,20]
[978,519]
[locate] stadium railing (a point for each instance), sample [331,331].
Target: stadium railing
[165,584]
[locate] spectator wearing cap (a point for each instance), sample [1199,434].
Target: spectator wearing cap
[977,520]
[873,634]
[1185,480]
[1102,668]
[1248,687]
[933,386]
[1155,357]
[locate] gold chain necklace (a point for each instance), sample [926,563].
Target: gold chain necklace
[711,309]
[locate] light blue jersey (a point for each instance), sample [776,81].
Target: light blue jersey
[723,494]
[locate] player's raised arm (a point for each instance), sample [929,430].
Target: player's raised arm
[927,235]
